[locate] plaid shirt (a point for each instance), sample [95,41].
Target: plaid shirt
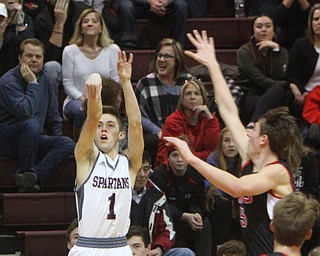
[157,100]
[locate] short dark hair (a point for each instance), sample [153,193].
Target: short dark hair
[140,231]
[73,225]
[114,112]
[32,41]
[232,248]
[110,90]
[146,157]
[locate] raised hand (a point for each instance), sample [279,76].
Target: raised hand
[205,53]
[124,66]
[27,74]
[61,11]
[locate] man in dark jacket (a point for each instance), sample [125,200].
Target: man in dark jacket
[149,208]
[28,108]
[184,188]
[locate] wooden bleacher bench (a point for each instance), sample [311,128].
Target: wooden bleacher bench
[40,243]
[62,180]
[32,209]
[229,33]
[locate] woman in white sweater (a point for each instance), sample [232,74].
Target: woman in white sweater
[91,50]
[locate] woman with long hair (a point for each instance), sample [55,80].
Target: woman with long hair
[91,50]
[304,66]
[262,61]
[218,205]
[193,119]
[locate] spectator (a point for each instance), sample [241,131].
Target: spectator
[268,151]
[103,7]
[72,234]
[91,51]
[9,46]
[184,189]
[219,206]
[289,16]
[262,61]
[139,241]
[149,208]
[232,248]
[310,113]
[28,108]
[293,218]
[20,24]
[158,92]
[193,119]
[303,67]
[175,12]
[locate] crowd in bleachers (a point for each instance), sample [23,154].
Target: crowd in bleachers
[53,46]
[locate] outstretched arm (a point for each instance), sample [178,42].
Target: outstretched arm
[135,136]
[272,177]
[86,151]
[228,110]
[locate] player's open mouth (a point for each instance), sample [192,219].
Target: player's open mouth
[104,137]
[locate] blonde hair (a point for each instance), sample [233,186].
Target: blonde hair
[222,163]
[199,85]
[104,39]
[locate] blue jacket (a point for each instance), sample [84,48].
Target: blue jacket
[20,101]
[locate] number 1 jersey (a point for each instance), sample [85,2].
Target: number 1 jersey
[103,201]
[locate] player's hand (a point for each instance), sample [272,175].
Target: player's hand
[181,146]
[94,86]
[205,53]
[124,66]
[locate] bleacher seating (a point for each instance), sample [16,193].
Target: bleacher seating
[35,223]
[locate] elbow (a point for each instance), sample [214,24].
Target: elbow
[238,191]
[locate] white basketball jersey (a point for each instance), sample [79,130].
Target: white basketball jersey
[104,199]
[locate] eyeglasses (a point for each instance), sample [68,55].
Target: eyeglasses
[165,56]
